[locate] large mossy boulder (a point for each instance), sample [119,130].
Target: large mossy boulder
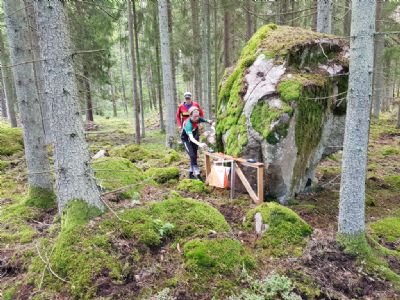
[284,104]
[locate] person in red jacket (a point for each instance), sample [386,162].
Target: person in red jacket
[182,114]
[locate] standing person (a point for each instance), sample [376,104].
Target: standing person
[183,110]
[190,138]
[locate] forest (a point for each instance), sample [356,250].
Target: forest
[199,149]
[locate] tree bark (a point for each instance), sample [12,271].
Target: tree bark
[249,20]
[8,82]
[196,51]
[88,98]
[347,18]
[315,15]
[159,92]
[378,62]
[206,80]
[134,78]
[75,178]
[3,105]
[122,80]
[139,72]
[29,106]
[171,38]
[216,54]
[227,39]
[324,16]
[355,149]
[167,72]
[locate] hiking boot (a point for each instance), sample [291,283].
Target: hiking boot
[191,176]
[198,177]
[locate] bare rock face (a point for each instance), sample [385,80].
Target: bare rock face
[284,104]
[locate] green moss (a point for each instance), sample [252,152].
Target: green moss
[11,140]
[4,164]
[387,229]
[163,175]
[133,153]
[263,116]
[193,186]
[218,256]
[126,173]
[41,198]
[394,181]
[287,231]
[14,219]
[390,151]
[78,213]
[370,200]
[80,254]
[290,90]
[10,293]
[190,217]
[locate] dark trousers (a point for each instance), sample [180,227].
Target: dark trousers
[191,149]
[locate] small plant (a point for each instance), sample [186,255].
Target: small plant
[164,229]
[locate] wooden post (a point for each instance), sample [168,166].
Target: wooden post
[233,175]
[208,164]
[260,184]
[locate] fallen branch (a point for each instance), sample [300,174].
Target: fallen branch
[48,265]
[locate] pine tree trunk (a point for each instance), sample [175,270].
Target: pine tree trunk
[88,98]
[216,53]
[355,149]
[167,72]
[113,99]
[8,82]
[378,62]
[122,80]
[139,72]
[29,106]
[3,105]
[171,39]
[227,42]
[75,178]
[134,78]
[159,92]
[315,15]
[324,16]
[196,51]
[206,91]
[347,18]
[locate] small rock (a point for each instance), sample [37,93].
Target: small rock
[258,223]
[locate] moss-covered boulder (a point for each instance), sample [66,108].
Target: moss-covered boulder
[285,233]
[11,140]
[115,172]
[284,104]
[193,186]
[163,175]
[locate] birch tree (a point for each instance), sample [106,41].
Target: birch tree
[167,72]
[39,177]
[133,72]
[74,175]
[324,16]
[352,187]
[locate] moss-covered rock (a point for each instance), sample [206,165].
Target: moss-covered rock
[223,256]
[286,233]
[41,198]
[190,217]
[193,186]
[11,140]
[163,175]
[116,172]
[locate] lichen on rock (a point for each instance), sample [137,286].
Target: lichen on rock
[283,104]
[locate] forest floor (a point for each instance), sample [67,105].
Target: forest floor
[128,261]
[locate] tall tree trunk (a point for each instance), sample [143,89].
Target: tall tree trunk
[159,92]
[206,91]
[122,80]
[196,51]
[167,72]
[88,98]
[113,100]
[29,106]
[3,105]
[227,38]
[8,82]
[75,178]
[324,16]
[347,18]
[378,61]
[37,68]
[249,20]
[172,46]
[355,149]
[315,14]
[134,79]
[216,54]
[139,72]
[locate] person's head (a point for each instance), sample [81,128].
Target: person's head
[188,97]
[194,114]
